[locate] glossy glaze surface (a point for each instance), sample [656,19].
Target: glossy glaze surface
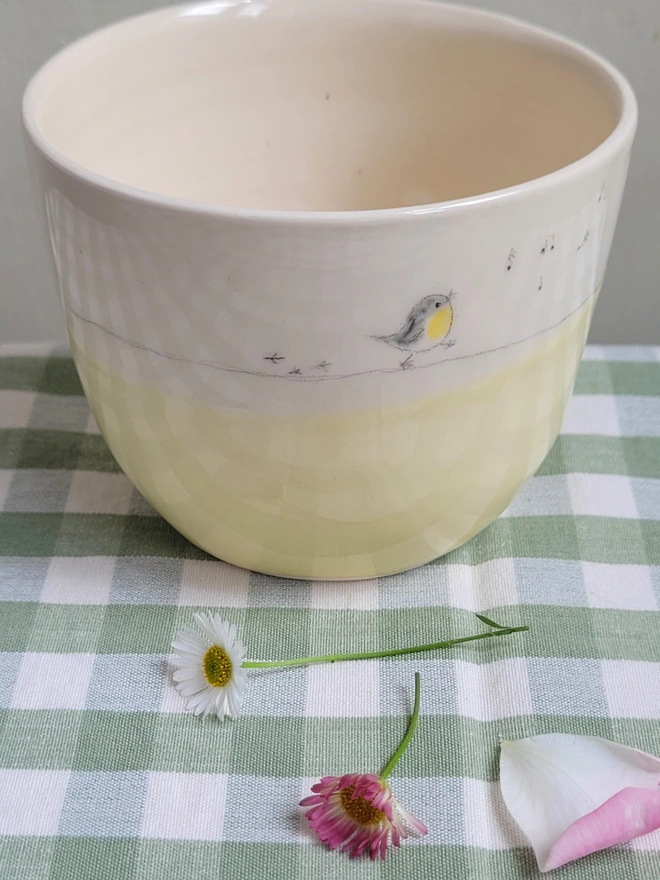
[325,392]
[356,494]
[325,106]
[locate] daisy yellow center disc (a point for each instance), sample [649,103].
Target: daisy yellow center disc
[358,809]
[217,666]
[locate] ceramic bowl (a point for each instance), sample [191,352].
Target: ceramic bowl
[328,267]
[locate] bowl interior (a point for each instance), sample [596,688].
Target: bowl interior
[327,106]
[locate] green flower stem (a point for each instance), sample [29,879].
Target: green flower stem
[412,727]
[395,652]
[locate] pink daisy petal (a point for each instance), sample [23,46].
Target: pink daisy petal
[356,813]
[413,823]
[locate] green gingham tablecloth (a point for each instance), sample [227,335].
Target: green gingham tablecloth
[103,776]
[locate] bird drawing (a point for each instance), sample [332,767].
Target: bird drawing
[427,325]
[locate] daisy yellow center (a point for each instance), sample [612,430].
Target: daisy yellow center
[358,809]
[217,666]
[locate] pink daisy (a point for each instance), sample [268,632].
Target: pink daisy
[358,813]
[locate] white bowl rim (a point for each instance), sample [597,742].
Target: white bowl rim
[616,142]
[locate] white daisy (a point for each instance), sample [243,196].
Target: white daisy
[210,669]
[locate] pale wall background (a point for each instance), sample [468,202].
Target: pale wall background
[625,31]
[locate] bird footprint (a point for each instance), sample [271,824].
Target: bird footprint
[448,343]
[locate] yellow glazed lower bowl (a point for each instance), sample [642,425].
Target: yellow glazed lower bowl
[359,494]
[328,268]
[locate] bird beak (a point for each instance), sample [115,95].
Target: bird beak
[451,295]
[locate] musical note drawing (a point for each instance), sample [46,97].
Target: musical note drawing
[549,244]
[584,240]
[540,287]
[512,255]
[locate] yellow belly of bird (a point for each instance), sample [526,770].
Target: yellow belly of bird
[440,323]
[352,494]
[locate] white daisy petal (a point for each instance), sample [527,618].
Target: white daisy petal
[207,696]
[205,623]
[219,629]
[190,653]
[186,674]
[188,688]
[191,639]
[184,648]
[187,662]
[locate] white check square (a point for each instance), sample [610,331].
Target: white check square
[78,580]
[602,495]
[481,587]
[31,801]
[632,688]
[93,492]
[92,425]
[346,595]
[185,806]
[5,482]
[491,691]
[343,690]
[627,587]
[488,824]
[15,408]
[591,414]
[213,583]
[52,681]
[647,842]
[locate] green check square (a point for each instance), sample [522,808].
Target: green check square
[26,858]
[115,740]
[138,629]
[16,622]
[90,858]
[66,629]
[180,859]
[59,376]
[38,738]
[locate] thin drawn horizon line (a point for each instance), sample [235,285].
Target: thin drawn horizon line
[324,377]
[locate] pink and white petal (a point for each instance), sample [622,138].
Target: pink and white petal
[412,822]
[383,846]
[629,814]
[363,841]
[551,781]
